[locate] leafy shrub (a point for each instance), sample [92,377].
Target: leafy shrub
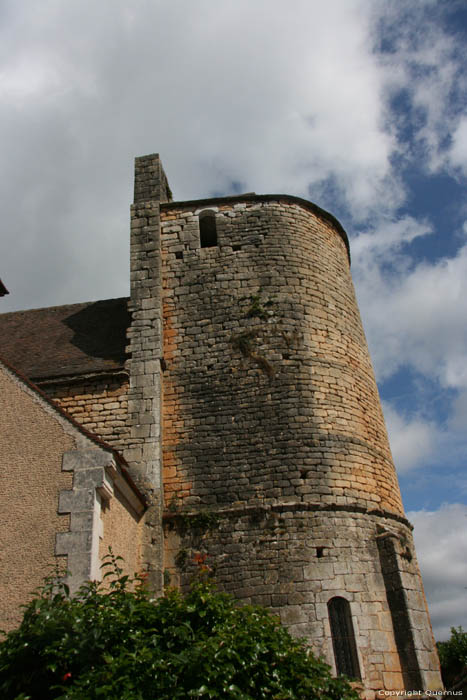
[453,659]
[119,643]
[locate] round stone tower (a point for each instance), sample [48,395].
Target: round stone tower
[277,472]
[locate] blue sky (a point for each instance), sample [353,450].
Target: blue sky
[358,105]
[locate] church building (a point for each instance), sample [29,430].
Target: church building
[225,413]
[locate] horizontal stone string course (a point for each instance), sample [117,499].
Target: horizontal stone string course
[301,507]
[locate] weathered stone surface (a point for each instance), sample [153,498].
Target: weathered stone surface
[269,401]
[99,404]
[249,407]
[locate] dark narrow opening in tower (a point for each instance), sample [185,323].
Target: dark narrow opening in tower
[207,229]
[320,552]
[343,638]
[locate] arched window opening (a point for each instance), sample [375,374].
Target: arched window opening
[343,638]
[207,229]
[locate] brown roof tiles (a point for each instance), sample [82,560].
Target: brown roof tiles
[66,340]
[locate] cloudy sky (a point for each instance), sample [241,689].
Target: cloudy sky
[358,105]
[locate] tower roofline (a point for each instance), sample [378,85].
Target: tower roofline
[253,197]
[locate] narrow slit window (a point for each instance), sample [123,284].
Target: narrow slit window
[207,229]
[343,638]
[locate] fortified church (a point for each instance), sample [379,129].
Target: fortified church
[226,413]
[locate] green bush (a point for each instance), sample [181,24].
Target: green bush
[119,643]
[453,659]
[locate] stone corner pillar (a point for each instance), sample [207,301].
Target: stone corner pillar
[144,336]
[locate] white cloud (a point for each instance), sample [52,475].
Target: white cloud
[458,150]
[250,93]
[424,65]
[26,78]
[412,439]
[387,238]
[421,440]
[415,314]
[441,544]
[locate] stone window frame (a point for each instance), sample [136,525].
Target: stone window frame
[208,233]
[343,638]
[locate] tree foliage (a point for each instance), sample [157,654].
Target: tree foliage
[117,642]
[453,659]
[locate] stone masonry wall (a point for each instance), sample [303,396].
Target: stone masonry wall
[143,452]
[269,391]
[277,469]
[100,404]
[294,560]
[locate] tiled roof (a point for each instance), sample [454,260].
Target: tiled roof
[66,340]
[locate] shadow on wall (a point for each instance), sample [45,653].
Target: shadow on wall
[64,340]
[99,329]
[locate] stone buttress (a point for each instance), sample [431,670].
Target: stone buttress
[143,453]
